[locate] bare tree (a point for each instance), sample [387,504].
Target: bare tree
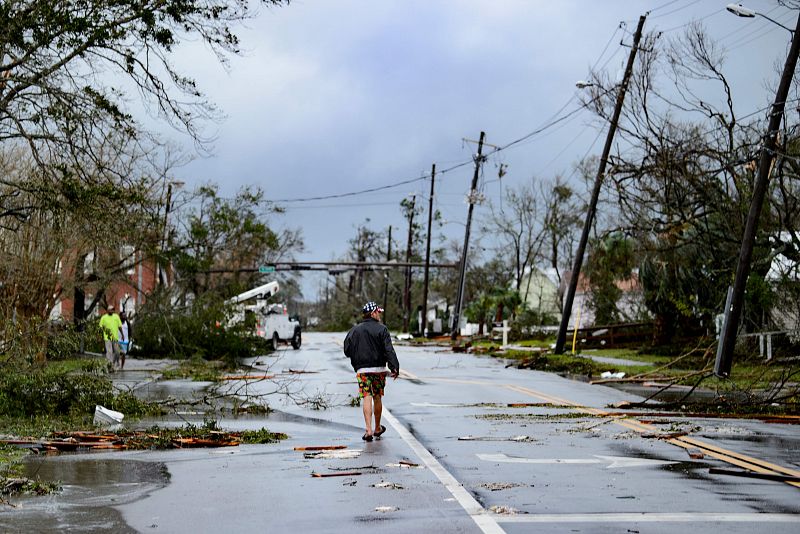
[520,231]
[682,175]
[62,63]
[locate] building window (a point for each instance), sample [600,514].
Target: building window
[88,263]
[128,256]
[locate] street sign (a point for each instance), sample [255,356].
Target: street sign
[266,269]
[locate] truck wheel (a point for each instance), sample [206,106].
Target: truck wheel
[275,341]
[296,340]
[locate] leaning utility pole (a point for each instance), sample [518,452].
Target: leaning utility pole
[598,181]
[407,287]
[733,311]
[424,323]
[473,193]
[386,275]
[162,278]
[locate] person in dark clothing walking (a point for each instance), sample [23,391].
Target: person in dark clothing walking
[369,347]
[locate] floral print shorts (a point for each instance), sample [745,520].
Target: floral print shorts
[371,384]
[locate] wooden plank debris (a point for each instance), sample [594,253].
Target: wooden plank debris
[321,448]
[695,454]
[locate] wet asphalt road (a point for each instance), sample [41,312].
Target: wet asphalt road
[553,467]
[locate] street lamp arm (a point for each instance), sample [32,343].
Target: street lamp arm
[741,11]
[776,22]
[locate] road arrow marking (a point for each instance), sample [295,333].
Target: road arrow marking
[612,461]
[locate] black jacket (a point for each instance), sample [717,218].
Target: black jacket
[368,344]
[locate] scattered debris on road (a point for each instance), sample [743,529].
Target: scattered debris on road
[406,464]
[609,374]
[388,485]
[385,509]
[152,438]
[334,454]
[668,435]
[104,416]
[505,510]
[519,439]
[499,486]
[695,454]
[359,468]
[321,448]
[343,474]
[535,405]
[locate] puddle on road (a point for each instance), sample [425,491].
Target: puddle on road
[91,487]
[178,389]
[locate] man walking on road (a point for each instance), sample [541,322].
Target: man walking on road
[110,324]
[369,347]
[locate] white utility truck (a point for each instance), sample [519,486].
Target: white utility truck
[271,320]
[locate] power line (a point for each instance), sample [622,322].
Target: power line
[693,2]
[704,17]
[759,25]
[551,122]
[765,31]
[662,6]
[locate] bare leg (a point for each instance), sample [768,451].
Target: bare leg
[366,404]
[378,404]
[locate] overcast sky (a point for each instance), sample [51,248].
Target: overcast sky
[337,96]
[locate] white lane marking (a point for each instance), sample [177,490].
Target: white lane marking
[612,461]
[646,517]
[482,518]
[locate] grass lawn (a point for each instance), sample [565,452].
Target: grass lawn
[746,375]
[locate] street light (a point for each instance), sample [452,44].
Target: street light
[735,300]
[741,11]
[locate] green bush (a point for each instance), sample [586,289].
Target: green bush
[524,326]
[42,392]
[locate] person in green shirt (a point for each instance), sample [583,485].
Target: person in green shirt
[111,324]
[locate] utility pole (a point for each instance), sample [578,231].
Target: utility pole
[162,275]
[598,181]
[407,288]
[386,276]
[733,312]
[424,323]
[473,193]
